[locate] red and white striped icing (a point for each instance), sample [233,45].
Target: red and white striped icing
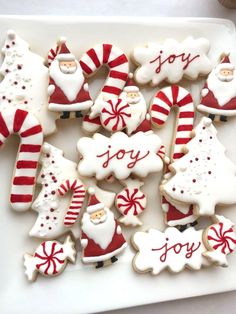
[77,199]
[52,54]
[163,102]
[114,114]
[221,238]
[117,63]
[25,124]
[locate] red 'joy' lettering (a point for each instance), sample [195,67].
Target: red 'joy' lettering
[134,156]
[178,248]
[186,58]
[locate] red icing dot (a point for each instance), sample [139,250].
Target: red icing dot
[13,43]
[50,173]
[19,67]
[194,180]
[196,159]
[45,195]
[42,175]
[54,218]
[26,102]
[46,184]
[210,137]
[181,191]
[209,172]
[7,71]
[208,158]
[55,181]
[41,225]
[53,192]
[7,46]
[23,87]
[47,217]
[173,189]
[50,228]
[191,161]
[9,100]
[15,82]
[53,177]
[3,97]
[200,141]
[53,162]
[51,210]
[204,128]
[48,155]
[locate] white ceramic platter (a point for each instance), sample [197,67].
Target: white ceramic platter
[82,289]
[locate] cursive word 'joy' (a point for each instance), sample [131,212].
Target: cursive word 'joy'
[186,58]
[134,156]
[185,248]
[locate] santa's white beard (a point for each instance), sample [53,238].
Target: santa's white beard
[71,83]
[223,91]
[99,220]
[138,112]
[101,233]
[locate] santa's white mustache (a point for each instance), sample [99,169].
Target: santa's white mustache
[97,221]
[223,78]
[66,70]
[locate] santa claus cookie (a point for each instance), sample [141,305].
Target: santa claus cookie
[172,60]
[24,84]
[120,155]
[219,92]
[49,259]
[204,177]
[125,112]
[131,202]
[68,90]
[101,236]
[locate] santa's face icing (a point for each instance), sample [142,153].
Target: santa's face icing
[101,233]
[68,67]
[226,75]
[98,217]
[222,82]
[133,97]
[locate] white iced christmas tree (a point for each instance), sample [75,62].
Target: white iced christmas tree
[204,177]
[52,208]
[25,81]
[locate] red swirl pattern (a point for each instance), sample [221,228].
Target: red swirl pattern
[113,115]
[221,239]
[131,200]
[50,253]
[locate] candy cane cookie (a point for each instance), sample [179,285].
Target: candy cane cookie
[76,202]
[117,62]
[163,102]
[25,124]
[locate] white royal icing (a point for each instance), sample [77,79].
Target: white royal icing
[25,81]
[169,249]
[172,60]
[200,176]
[119,155]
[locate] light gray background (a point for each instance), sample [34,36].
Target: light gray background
[217,304]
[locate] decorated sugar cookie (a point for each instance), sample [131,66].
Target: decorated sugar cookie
[117,63]
[170,249]
[57,211]
[191,248]
[220,240]
[101,237]
[204,176]
[24,84]
[68,90]
[219,92]
[172,60]
[49,259]
[29,130]
[125,112]
[120,155]
[165,100]
[131,202]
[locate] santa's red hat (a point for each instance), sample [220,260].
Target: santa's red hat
[130,85]
[94,204]
[145,125]
[225,63]
[64,53]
